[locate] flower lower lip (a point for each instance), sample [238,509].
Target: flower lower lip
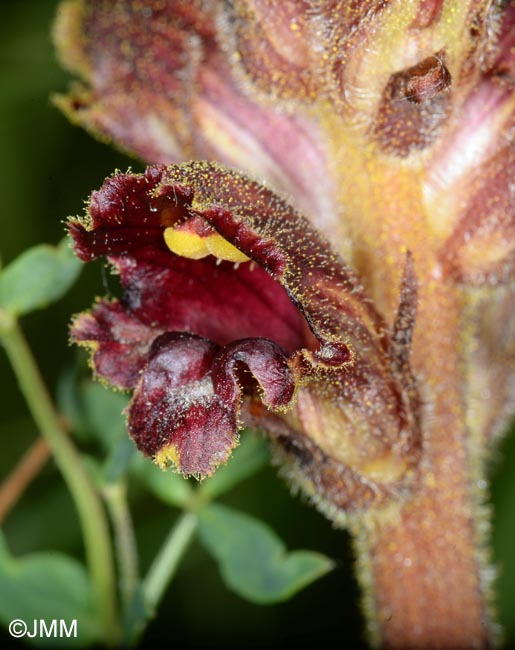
[186,407]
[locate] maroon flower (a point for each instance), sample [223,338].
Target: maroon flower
[232,300]
[390,126]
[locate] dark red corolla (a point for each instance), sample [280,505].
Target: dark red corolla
[390,126]
[232,302]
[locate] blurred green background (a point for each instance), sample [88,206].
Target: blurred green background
[48,167]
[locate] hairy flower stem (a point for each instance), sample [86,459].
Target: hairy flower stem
[88,503]
[421,592]
[423,563]
[425,568]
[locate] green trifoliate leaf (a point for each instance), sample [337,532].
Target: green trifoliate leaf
[48,587]
[38,277]
[253,561]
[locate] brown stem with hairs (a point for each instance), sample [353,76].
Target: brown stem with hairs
[424,569]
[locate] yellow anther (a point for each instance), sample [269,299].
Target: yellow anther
[189,244]
[224,250]
[186,244]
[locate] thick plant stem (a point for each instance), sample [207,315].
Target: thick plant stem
[167,560]
[423,563]
[424,568]
[424,579]
[88,503]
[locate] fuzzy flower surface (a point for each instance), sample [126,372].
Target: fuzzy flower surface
[349,290]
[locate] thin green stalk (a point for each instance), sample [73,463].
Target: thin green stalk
[115,495]
[88,503]
[167,560]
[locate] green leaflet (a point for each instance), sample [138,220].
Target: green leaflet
[47,586]
[253,561]
[38,277]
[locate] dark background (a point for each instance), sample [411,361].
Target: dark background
[48,167]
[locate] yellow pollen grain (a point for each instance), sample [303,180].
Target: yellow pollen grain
[166,457]
[193,246]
